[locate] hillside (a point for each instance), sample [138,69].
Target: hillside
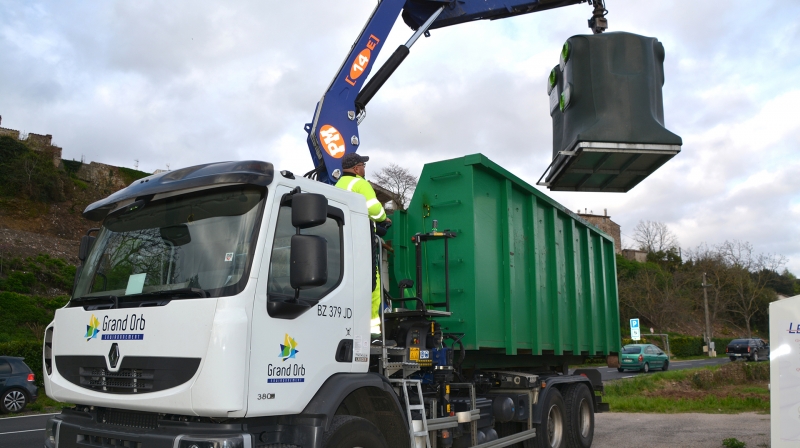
[41,203]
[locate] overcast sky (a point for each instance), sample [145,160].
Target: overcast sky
[180,83]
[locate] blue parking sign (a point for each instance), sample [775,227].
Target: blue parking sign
[634,323]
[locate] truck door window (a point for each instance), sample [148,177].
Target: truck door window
[278,286]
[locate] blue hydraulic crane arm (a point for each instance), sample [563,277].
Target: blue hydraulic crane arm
[333,131]
[416,12]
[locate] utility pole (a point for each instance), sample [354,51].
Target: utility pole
[708,322]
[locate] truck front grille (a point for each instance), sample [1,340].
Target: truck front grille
[125,381]
[137,374]
[127,418]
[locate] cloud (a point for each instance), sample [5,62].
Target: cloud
[183,83]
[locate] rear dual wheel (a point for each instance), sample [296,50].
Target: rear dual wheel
[580,416]
[550,432]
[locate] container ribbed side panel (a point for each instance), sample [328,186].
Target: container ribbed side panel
[527,276]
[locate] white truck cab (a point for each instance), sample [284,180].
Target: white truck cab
[212,296]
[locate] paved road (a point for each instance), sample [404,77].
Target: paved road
[608,373]
[612,430]
[617,430]
[23,432]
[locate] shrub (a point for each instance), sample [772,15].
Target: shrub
[733,443]
[733,373]
[40,272]
[17,281]
[80,184]
[23,318]
[31,351]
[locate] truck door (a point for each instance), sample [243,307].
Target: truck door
[297,343]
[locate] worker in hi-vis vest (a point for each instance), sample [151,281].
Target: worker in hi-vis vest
[354,169]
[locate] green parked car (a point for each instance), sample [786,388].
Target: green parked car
[642,357]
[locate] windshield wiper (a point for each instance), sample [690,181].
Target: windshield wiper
[189,292]
[86,299]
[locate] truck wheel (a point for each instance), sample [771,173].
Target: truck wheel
[755,357]
[580,416]
[13,400]
[550,432]
[348,431]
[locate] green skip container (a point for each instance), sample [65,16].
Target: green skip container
[527,278]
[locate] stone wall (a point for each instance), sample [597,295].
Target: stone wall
[37,142]
[604,223]
[101,175]
[635,255]
[9,132]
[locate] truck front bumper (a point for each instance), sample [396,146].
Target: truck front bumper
[84,427]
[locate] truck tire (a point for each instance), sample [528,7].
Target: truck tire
[347,431]
[754,358]
[580,416]
[550,433]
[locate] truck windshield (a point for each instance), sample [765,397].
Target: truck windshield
[192,245]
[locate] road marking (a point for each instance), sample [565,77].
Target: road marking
[629,376]
[17,432]
[24,416]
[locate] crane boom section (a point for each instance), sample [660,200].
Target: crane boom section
[333,131]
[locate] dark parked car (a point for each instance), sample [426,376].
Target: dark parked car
[17,387]
[642,357]
[752,349]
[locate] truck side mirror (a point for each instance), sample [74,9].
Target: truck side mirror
[86,245]
[309,210]
[308,261]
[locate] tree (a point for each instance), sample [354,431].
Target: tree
[750,274]
[648,291]
[708,260]
[400,182]
[654,236]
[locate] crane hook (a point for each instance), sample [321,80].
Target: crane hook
[598,22]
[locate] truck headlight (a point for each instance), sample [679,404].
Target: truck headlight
[224,441]
[51,433]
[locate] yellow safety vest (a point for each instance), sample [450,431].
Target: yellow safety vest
[360,185]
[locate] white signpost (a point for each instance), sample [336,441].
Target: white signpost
[635,331]
[784,372]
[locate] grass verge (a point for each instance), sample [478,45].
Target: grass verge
[42,405]
[725,389]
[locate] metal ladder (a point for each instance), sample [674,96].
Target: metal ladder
[414,407]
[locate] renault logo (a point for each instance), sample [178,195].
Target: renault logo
[113,355]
